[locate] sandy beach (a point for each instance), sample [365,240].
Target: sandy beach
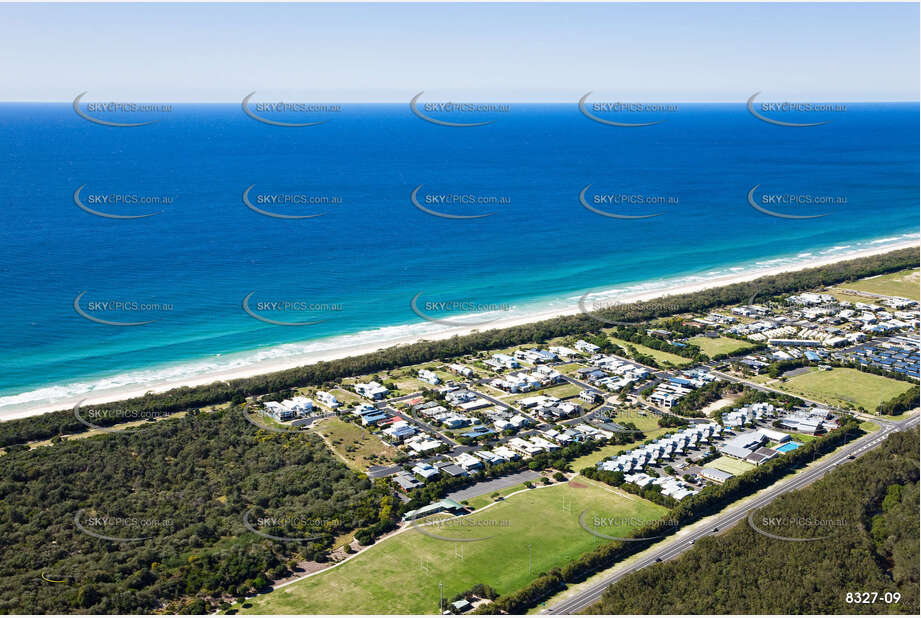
[98,397]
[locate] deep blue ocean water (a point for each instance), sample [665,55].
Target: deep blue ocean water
[371,254]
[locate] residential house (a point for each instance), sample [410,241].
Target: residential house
[586,347]
[426,471]
[429,376]
[468,462]
[461,370]
[328,399]
[371,390]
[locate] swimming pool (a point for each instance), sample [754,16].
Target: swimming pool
[789,446]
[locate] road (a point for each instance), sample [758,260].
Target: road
[729,517]
[425,425]
[505,404]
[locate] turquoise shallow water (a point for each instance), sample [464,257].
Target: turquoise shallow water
[355,269]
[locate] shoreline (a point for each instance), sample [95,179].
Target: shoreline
[273,365]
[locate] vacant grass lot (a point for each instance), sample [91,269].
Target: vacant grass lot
[408,384]
[662,357]
[570,369]
[851,298]
[903,283]
[719,345]
[402,573]
[560,391]
[846,388]
[730,465]
[902,416]
[647,422]
[355,445]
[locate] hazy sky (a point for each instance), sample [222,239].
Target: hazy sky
[495,52]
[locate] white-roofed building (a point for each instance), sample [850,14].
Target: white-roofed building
[371,390]
[468,462]
[426,471]
[429,376]
[507,453]
[327,399]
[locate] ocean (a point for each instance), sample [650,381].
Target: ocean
[374,261]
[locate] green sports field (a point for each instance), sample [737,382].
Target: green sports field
[402,574]
[847,388]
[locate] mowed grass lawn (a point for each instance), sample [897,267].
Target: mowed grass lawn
[844,387]
[401,574]
[662,357]
[730,465]
[903,283]
[719,345]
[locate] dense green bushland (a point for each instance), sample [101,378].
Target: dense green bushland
[185,483]
[867,508]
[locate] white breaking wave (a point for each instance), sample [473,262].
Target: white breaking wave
[387,335]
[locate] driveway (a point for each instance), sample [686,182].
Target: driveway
[379,472]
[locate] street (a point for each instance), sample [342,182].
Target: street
[729,517]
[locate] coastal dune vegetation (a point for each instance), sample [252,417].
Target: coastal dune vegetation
[61,423]
[178,490]
[193,480]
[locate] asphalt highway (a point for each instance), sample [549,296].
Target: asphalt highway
[731,515]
